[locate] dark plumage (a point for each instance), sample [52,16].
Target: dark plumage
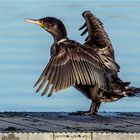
[91,68]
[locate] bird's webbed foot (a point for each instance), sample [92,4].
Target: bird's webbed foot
[93,110]
[83,113]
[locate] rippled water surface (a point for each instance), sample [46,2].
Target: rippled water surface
[25,48]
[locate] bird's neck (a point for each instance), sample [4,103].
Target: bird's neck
[61,40]
[60,34]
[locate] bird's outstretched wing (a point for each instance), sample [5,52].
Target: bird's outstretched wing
[98,39]
[70,66]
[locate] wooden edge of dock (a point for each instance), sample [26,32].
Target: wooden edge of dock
[62,126]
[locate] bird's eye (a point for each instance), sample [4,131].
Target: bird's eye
[49,24]
[41,21]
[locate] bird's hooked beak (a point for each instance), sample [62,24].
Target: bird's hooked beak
[34,21]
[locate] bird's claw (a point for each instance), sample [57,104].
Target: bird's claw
[83,113]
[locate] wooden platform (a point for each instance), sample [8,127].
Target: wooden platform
[63,122]
[62,126]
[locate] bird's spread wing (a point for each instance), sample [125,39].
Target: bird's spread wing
[98,39]
[71,66]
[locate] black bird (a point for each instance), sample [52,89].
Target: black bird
[90,67]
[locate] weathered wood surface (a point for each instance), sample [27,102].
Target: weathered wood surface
[63,122]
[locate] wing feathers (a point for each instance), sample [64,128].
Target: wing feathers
[81,73]
[82,27]
[42,76]
[84,32]
[51,77]
[74,66]
[75,73]
[72,73]
[42,84]
[98,40]
[59,80]
[53,82]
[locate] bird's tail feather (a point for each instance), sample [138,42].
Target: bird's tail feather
[132,91]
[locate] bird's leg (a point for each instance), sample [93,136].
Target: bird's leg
[92,111]
[94,107]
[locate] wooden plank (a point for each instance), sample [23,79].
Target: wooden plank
[63,122]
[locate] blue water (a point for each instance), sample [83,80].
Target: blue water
[24,51]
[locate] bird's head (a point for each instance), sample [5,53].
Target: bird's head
[52,25]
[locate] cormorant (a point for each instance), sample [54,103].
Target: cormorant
[90,67]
